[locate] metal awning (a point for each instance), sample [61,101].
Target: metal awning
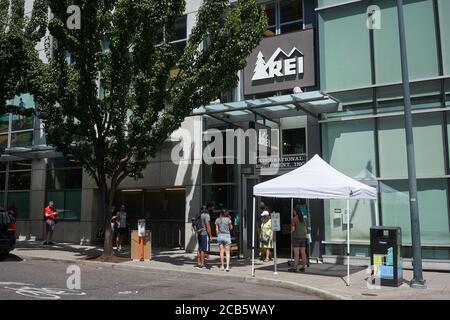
[29,153]
[311,103]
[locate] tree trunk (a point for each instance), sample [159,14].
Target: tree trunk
[107,199]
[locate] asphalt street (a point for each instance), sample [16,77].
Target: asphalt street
[38,279]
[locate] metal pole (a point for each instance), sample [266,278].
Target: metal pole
[348,242]
[417,280]
[253,238]
[292,216]
[274,252]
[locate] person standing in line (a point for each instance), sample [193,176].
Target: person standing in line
[266,236]
[299,239]
[122,227]
[114,225]
[204,235]
[50,213]
[223,231]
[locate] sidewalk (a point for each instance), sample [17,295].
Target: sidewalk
[325,280]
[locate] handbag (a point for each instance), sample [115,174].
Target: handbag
[265,238]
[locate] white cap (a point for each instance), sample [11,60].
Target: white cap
[265,213]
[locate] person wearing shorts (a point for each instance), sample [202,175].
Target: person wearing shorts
[223,230]
[299,239]
[203,236]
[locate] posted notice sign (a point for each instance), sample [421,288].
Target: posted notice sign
[276,225]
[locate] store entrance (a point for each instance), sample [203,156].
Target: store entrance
[283,206]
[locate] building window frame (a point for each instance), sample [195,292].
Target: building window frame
[278,24]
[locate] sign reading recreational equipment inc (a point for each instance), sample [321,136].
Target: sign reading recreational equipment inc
[280,63]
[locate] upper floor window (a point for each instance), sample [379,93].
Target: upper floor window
[284,16]
[17,130]
[178,35]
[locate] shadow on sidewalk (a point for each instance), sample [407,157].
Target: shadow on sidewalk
[79,251]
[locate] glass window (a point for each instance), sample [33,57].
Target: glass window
[3,141]
[339,139]
[22,123]
[362,217]
[22,139]
[225,194]
[4,123]
[2,200]
[290,11]
[392,146]
[180,28]
[416,104]
[344,48]
[433,209]
[64,179]
[294,141]
[20,180]
[420,33]
[68,203]
[2,182]
[444,9]
[218,173]
[20,165]
[22,202]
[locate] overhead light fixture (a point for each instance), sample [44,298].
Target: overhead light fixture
[298,90]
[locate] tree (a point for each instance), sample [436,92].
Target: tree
[117,52]
[19,60]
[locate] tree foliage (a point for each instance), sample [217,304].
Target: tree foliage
[19,60]
[125,91]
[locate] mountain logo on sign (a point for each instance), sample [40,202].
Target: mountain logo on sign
[280,64]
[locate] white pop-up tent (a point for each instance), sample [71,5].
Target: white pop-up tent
[314,180]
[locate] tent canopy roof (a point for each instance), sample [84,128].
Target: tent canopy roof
[315,180]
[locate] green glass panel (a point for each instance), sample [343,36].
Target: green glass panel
[386,45]
[420,34]
[2,200]
[22,123]
[22,202]
[428,143]
[362,217]
[3,141]
[72,209]
[433,209]
[23,139]
[20,180]
[4,123]
[444,9]
[340,139]
[344,47]
[323,3]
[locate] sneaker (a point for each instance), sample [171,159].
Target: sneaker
[45,243]
[50,243]
[302,270]
[227,269]
[222,268]
[198,267]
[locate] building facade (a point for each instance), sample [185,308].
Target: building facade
[323,81]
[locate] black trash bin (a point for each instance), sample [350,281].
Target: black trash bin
[385,256]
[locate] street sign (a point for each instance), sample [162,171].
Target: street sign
[276,225]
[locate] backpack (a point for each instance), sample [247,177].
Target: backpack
[197,223]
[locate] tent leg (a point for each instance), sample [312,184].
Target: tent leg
[348,242]
[253,237]
[292,216]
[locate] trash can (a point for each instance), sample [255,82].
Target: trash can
[385,256]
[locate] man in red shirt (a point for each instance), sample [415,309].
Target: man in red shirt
[50,213]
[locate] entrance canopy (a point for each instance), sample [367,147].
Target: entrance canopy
[312,103]
[315,180]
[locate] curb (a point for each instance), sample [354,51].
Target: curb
[247,279]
